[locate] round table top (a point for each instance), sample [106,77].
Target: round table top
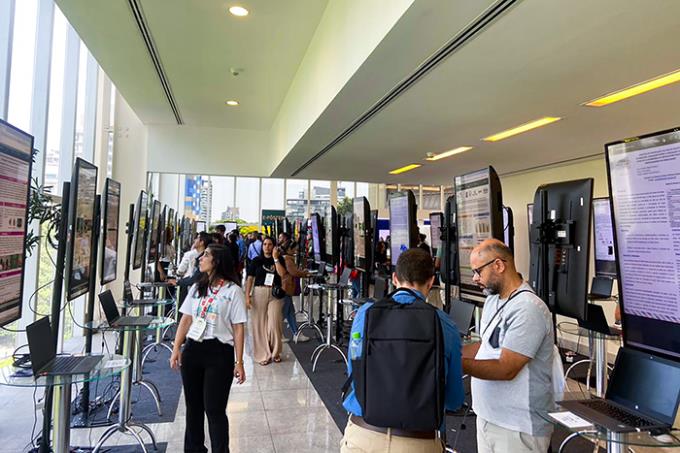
[147,302]
[158,322]
[110,365]
[595,433]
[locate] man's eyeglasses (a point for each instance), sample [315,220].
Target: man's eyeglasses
[478,271]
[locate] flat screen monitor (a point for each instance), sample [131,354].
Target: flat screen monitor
[154,231]
[479,216]
[644,181]
[403,225]
[509,228]
[111,216]
[567,227]
[316,237]
[361,217]
[171,227]
[16,147]
[436,223]
[332,240]
[141,221]
[81,234]
[603,233]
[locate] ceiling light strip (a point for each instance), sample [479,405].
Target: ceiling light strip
[155,59]
[634,90]
[458,41]
[405,168]
[452,152]
[522,128]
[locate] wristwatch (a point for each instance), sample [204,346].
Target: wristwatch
[238,362]
[276,260]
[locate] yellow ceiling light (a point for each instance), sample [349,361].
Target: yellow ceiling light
[460,149]
[634,90]
[239,11]
[232,103]
[522,128]
[404,169]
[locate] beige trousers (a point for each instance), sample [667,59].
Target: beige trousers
[362,440]
[266,323]
[495,439]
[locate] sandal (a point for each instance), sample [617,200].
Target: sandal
[265,362]
[277,359]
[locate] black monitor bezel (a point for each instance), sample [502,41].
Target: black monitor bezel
[437,234]
[317,254]
[153,238]
[625,326]
[72,291]
[331,225]
[105,213]
[141,211]
[19,303]
[411,209]
[362,263]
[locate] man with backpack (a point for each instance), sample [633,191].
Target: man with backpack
[512,367]
[404,369]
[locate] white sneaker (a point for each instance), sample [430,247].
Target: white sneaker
[302,338]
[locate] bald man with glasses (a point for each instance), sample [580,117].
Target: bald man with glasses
[511,367]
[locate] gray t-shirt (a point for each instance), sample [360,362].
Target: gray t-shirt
[526,328]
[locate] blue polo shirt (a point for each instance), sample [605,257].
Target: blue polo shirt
[454,393]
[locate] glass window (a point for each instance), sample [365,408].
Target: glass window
[23,62]
[362,189]
[345,190]
[321,196]
[56,101]
[296,198]
[431,198]
[272,193]
[111,132]
[247,199]
[79,138]
[223,198]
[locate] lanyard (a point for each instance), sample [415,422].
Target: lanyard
[512,296]
[206,302]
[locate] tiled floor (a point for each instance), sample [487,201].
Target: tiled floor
[275,410]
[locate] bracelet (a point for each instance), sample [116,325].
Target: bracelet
[238,362]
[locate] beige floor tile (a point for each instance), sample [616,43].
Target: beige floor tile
[251,444]
[327,440]
[248,424]
[245,402]
[293,398]
[299,420]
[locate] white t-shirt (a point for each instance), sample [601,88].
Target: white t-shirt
[227,308]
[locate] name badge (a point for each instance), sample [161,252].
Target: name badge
[269,279]
[197,329]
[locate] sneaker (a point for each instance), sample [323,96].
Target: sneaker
[285,340]
[302,338]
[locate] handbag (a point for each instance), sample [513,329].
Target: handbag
[278,292]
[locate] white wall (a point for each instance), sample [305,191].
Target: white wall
[129,167]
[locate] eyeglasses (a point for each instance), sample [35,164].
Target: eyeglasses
[478,271]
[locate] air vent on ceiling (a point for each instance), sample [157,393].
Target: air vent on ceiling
[137,12]
[458,41]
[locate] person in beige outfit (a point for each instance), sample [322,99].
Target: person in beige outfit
[265,309]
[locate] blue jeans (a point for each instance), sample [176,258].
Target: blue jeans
[289,313]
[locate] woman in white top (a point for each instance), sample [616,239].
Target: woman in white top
[213,318]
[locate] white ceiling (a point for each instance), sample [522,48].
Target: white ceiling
[543,58]
[198,42]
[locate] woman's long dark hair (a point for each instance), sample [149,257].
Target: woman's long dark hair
[223,268]
[264,239]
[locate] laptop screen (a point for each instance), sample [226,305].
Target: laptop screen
[40,344]
[646,383]
[602,286]
[109,306]
[461,315]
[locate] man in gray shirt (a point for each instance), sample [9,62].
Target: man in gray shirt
[511,368]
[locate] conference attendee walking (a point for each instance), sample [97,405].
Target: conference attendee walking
[265,309]
[284,258]
[512,367]
[213,324]
[399,392]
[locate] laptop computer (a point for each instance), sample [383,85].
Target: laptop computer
[44,358]
[114,318]
[461,314]
[601,288]
[643,395]
[596,321]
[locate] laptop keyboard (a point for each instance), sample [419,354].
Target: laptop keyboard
[620,415]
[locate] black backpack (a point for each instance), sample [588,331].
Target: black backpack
[399,378]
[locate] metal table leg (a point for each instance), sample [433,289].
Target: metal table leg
[616,442]
[600,359]
[124,424]
[159,332]
[309,324]
[61,415]
[329,337]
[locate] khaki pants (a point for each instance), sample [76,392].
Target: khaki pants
[362,440]
[494,439]
[266,319]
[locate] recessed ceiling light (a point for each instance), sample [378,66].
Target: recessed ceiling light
[636,89]
[232,103]
[521,128]
[404,169]
[239,11]
[460,149]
